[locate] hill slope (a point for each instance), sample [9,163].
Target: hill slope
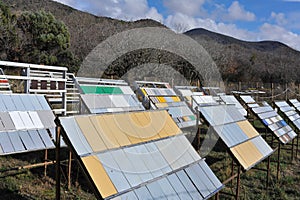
[238,60]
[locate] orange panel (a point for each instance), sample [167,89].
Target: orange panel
[91,134]
[176,99]
[100,125]
[116,130]
[248,153]
[99,176]
[248,129]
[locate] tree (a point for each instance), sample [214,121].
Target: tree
[44,40]
[8,36]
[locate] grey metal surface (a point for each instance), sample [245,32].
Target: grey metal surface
[47,117]
[16,141]
[262,146]
[189,186]
[168,190]
[209,173]
[46,138]
[37,140]
[143,193]
[6,144]
[156,191]
[75,135]
[178,187]
[114,172]
[27,140]
[126,196]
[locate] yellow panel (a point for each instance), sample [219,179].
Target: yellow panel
[99,176]
[248,129]
[170,128]
[236,153]
[248,154]
[116,129]
[176,99]
[91,134]
[144,91]
[161,99]
[102,128]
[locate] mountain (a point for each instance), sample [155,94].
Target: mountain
[237,60]
[269,61]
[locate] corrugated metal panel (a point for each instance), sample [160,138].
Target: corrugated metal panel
[6,144]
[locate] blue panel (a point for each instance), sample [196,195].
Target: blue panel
[6,144]
[209,173]
[16,141]
[143,193]
[37,140]
[199,178]
[178,187]
[75,135]
[156,191]
[27,141]
[114,172]
[27,101]
[35,102]
[189,186]
[43,102]
[127,196]
[168,190]
[46,138]
[7,100]
[18,102]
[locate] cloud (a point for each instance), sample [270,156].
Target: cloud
[237,12]
[180,23]
[187,7]
[278,33]
[120,9]
[279,18]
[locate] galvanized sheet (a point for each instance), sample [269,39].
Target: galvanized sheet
[6,144]
[74,134]
[7,121]
[47,140]
[47,117]
[27,140]
[189,186]
[168,190]
[262,146]
[37,140]
[16,141]
[143,193]
[178,187]
[114,172]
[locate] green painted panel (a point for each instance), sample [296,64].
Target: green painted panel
[88,89]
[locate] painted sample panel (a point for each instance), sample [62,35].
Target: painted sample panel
[138,155]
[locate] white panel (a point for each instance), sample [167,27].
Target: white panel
[14,115]
[36,120]
[26,120]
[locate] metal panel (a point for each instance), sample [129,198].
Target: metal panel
[178,187]
[7,121]
[139,165]
[37,140]
[27,102]
[26,120]
[168,190]
[126,196]
[99,176]
[2,105]
[46,138]
[156,191]
[47,117]
[200,180]
[189,186]
[27,140]
[7,100]
[43,102]
[209,173]
[75,136]
[143,193]
[17,120]
[114,172]
[119,101]
[35,102]
[158,158]
[16,99]
[247,99]
[6,144]
[262,146]
[36,120]
[126,167]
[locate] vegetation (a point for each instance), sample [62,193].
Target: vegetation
[35,37]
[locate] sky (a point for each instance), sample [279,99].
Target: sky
[251,20]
